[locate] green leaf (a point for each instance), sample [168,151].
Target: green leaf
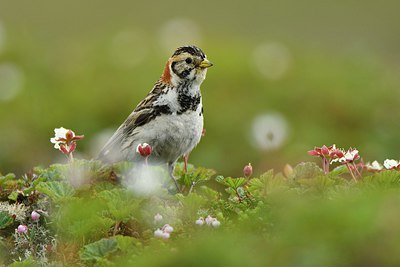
[234,183]
[98,250]
[83,218]
[13,196]
[195,176]
[220,179]
[267,184]
[191,203]
[26,263]
[120,203]
[305,170]
[338,171]
[57,191]
[126,243]
[5,219]
[6,178]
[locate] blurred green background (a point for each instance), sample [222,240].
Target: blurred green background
[288,75]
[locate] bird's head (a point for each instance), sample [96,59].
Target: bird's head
[187,64]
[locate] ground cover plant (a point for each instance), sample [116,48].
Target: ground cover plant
[86,213]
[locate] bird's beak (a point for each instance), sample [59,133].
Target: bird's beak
[205,64]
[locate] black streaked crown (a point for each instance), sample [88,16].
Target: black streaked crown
[191,49]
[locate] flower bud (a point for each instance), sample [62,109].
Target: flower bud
[288,170]
[209,220]
[215,223]
[22,229]
[248,170]
[158,217]
[144,149]
[200,221]
[35,216]
[158,233]
[69,135]
[165,235]
[168,228]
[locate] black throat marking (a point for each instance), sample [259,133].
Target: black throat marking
[188,102]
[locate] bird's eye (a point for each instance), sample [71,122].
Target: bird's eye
[188,60]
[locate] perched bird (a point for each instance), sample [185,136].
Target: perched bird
[170,118]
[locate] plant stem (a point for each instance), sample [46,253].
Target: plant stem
[325,165]
[355,167]
[351,172]
[70,157]
[191,187]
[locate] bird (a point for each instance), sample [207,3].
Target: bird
[169,118]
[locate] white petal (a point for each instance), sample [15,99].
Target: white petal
[61,132]
[390,163]
[56,143]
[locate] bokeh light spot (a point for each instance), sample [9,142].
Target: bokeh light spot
[128,49]
[269,131]
[2,37]
[272,60]
[11,81]
[178,32]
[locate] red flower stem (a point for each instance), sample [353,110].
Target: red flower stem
[351,172]
[325,165]
[355,167]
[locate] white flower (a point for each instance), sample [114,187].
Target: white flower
[168,228]
[59,133]
[348,156]
[351,155]
[374,166]
[158,217]
[390,164]
[158,233]
[200,221]
[215,223]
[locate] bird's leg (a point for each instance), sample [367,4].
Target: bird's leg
[171,174]
[185,162]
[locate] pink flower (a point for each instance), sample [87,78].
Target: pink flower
[22,229]
[144,150]
[35,216]
[248,170]
[323,151]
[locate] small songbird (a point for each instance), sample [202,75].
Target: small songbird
[170,118]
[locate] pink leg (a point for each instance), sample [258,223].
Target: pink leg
[185,161]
